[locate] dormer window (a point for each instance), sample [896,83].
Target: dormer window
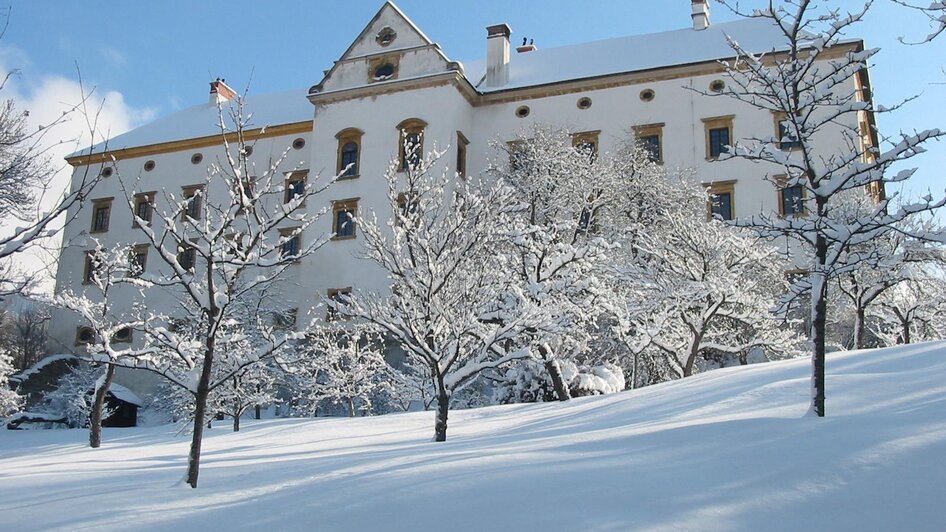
[382,68]
[384,71]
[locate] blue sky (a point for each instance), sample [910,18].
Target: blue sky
[152,58]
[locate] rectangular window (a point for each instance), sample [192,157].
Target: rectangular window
[193,197]
[343,218]
[518,155]
[187,257]
[101,212]
[721,203]
[338,297]
[291,247]
[586,142]
[786,133]
[88,272]
[296,184]
[650,138]
[144,208]
[462,143]
[139,259]
[719,134]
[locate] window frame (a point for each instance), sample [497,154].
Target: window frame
[380,60]
[189,193]
[185,250]
[297,238]
[143,198]
[79,330]
[332,293]
[97,205]
[293,177]
[651,130]
[88,271]
[718,188]
[137,251]
[344,137]
[462,143]
[780,181]
[587,138]
[410,126]
[779,118]
[716,123]
[344,205]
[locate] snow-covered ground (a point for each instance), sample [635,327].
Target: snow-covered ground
[726,450]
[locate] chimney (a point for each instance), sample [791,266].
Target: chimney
[497,55]
[526,47]
[701,19]
[220,92]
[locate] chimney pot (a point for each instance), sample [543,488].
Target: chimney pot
[700,14]
[220,92]
[497,54]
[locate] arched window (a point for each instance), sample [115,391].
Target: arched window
[349,153]
[410,142]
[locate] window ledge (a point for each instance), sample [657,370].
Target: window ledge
[346,237]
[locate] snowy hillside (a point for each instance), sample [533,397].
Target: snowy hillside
[726,450]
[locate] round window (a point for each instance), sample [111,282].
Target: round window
[717,85]
[384,71]
[149,166]
[107,171]
[298,144]
[86,336]
[648,95]
[197,158]
[386,36]
[522,111]
[584,103]
[247,151]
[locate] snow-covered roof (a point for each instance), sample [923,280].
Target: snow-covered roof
[631,54]
[272,109]
[124,394]
[38,367]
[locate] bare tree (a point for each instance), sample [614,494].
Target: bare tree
[817,83]
[218,251]
[451,306]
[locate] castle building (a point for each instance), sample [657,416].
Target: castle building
[393,81]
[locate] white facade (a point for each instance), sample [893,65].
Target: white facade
[392,73]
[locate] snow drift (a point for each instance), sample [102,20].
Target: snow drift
[725,450]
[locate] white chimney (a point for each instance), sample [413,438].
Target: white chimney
[220,92]
[497,55]
[701,18]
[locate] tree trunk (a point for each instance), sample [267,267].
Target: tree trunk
[558,381]
[257,412]
[905,331]
[236,420]
[200,412]
[554,370]
[98,405]
[818,321]
[859,329]
[443,408]
[351,407]
[694,352]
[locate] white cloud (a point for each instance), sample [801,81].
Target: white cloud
[58,100]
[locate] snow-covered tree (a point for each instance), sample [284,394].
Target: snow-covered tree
[817,84]
[344,366]
[450,306]
[108,319]
[569,201]
[74,396]
[935,11]
[219,251]
[10,401]
[717,284]
[912,311]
